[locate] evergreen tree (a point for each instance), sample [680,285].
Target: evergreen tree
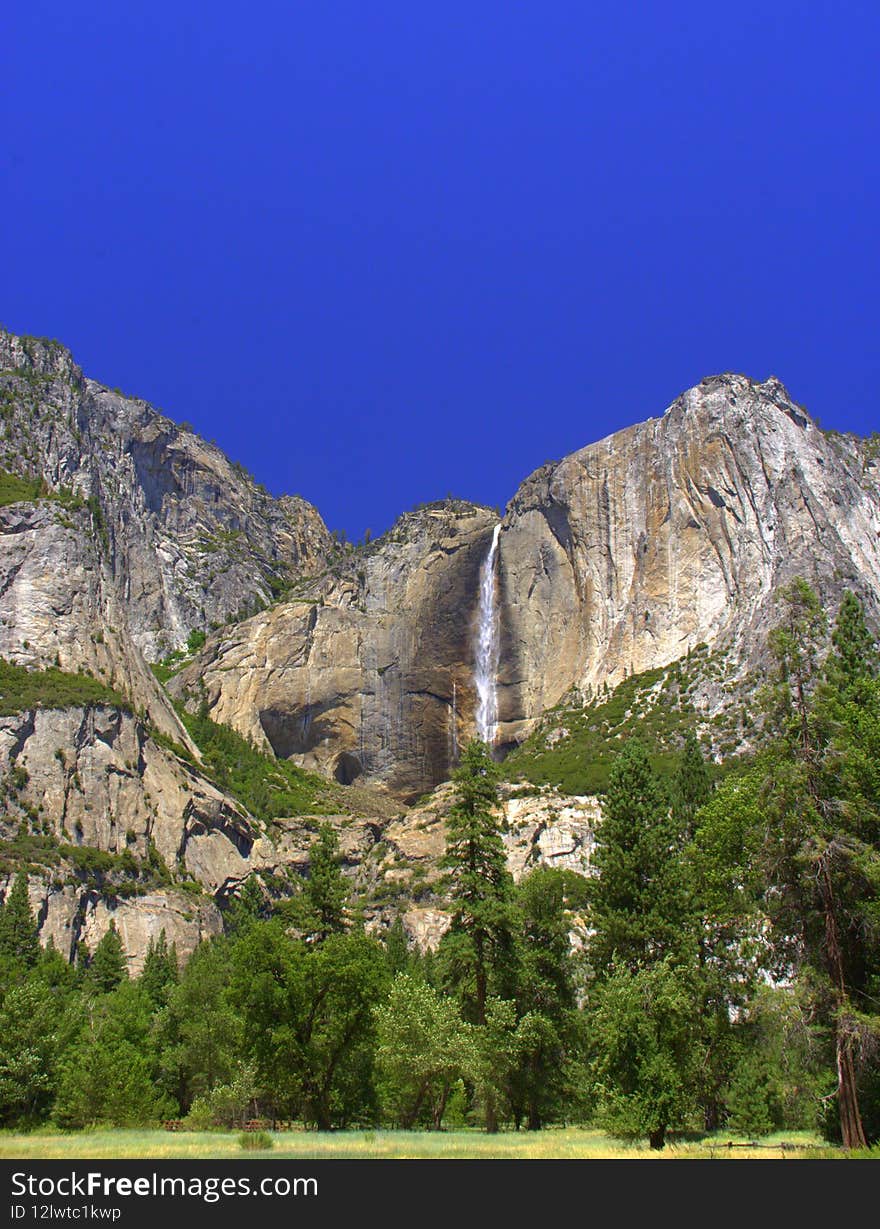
[640,902]
[19,936]
[397,951]
[645,998]
[322,909]
[691,785]
[854,657]
[801,829]
[249,905]
[824,860]
[107,966]
[478,951]
[547,1027]
[159,973]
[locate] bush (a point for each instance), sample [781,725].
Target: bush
[22,689]
[255,1141]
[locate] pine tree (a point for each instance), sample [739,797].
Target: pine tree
[640,903]
[397,948]
[249,905]
[19,936]
[815,799]
[107,966]
[691,785]
[854,658]
[160,969]
[479,947]
[322,909]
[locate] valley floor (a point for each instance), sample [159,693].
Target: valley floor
[565,1143]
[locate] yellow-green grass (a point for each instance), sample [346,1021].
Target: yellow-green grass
[566,1143]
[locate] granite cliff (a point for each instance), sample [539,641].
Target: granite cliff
[127,542]
[616,560]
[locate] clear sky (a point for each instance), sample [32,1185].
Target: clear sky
[382,252]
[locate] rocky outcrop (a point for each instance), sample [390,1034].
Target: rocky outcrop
[676,532]
[188,537]
[59,606]
[374,677]
[618,559]
[70,915]
[95,777]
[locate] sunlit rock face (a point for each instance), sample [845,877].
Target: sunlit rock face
[618,558]
[624,555]
[181,535]
[373,677]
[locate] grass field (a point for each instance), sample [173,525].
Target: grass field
[567,1143]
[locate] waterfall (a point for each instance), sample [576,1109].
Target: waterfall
[454,715]
[487,648]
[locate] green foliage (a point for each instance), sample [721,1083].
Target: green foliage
[107,967]
[255,1141]
[308,1014]
[323,906]
[800,830]
[202,1037]
[268,787]
[19,942]
[397,951]
[14,490]
[691,784]
[478,951]
[225,1105]
[248,905]
[22,688]
[37,1020]
[646,1042]
[159,974]
[175,661]
[422,1050]
[575,745]
[195,640]
[639,907]
[108,1075]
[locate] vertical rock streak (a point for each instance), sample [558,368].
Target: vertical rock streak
[487,647]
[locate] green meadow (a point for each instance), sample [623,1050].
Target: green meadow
[564,1143]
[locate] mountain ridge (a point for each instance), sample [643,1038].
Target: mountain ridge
[127,542]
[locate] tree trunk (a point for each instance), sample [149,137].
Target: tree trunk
[440,1107]
[657,1139]
[851,1129]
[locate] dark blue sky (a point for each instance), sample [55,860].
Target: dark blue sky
[385,251]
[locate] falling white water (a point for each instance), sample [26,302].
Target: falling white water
[487,648]
[454,715]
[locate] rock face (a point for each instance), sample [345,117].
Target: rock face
[68,916]
[374,676]
[95,777]
[187,537]
[619,558]
[93,780]
[676,532]
[59,606]
[121,533]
